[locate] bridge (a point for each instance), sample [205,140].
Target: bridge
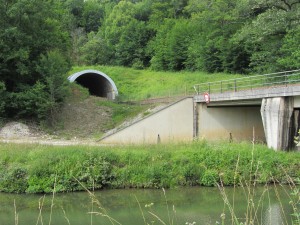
[262,108]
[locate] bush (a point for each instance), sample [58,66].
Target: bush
[13,179]
[34,169]
[210,178]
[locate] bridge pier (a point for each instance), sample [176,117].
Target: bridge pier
[276,115]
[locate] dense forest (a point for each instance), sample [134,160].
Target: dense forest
[41,39]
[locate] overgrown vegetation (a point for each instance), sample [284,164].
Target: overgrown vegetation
[228,35]
[41,40]
[34,168]
[121,112]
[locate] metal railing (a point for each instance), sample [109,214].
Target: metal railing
[250,82]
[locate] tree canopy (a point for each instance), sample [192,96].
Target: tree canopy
[234,36]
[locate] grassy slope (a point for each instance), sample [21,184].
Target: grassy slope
[142,84]
[84,116]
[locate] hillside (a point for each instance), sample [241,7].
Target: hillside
[88,117]
[136,84]
[41,42]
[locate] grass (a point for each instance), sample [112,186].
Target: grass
[38,169]
[122,112]
[34,168]
[255,202]
[143,84]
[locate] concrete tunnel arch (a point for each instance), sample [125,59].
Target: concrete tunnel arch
[97,82]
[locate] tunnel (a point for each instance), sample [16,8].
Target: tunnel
[97,82]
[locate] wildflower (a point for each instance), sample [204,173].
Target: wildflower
[223,216]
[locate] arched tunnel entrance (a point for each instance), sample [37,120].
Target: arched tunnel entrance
[98,83]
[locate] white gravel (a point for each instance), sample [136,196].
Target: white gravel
[15,130]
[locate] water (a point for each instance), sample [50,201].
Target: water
[202,205]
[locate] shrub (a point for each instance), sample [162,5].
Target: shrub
[35,169]
[210,178]
[14,179]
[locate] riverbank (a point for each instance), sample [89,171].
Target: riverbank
[35,168]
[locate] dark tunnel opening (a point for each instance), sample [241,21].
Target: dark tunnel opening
[97,85]
[97,82]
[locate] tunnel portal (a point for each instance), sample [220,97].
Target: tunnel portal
[98,83]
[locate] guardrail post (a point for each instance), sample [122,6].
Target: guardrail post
[234,85]
[221,88]
[285,79]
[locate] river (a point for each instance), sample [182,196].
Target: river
[178,206]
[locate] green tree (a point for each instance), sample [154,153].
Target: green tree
[31,102]
[131,46]
[170,48]
[264,35]
[159,46]
[79,39]
[126,36]
[29,28]
[53,67]
[290,50]
[211,49]
[92,15]
[2,99]
[96,50]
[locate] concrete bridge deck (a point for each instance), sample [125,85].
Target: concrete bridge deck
[254,94]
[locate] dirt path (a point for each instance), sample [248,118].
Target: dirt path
[16,132]
[51,142]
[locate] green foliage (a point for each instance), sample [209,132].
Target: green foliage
[121,112]
[171,45]
[232,36]
[92,15]
[125,36]
[28,30]
[95,50]
[32,102]
[13,179]
[265,34]
[290,50]
[2,98]
[210,178]
[36,168]
[53,68]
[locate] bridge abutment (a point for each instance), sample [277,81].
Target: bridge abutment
[276,115]
[229,122]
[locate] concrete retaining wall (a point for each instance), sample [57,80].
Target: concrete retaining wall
[226,123]
[171,124]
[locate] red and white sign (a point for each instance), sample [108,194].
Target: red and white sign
[206,98]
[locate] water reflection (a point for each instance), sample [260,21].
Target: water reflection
[202,205]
